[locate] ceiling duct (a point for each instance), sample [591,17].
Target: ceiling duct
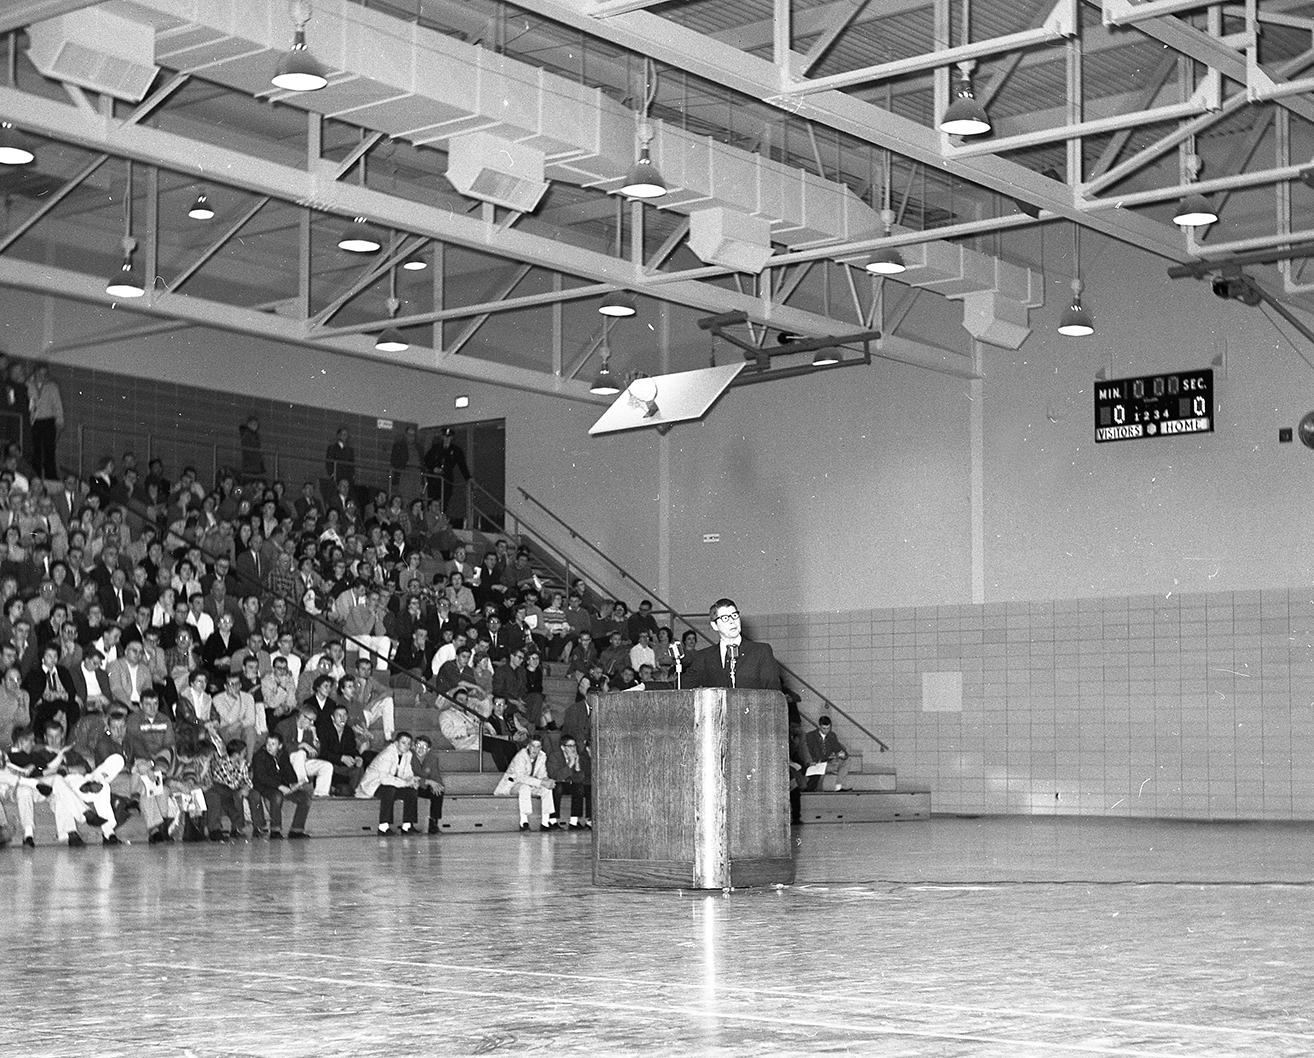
[419,86]
[723,237]
[414,84]
[495,170]
[96,49]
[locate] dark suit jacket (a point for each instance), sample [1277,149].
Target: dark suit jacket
[756,668]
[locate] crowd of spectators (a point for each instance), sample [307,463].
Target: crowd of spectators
[201,654]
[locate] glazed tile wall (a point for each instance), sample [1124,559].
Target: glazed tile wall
[1187,706]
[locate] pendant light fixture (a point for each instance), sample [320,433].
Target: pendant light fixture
[965,116]
[360,237]
[887,261]
[390,340]
[415,263]
[1076,322]
[618,304]
[825,358]
[127,282]
[298,70]
[603,382]
[1194,210]
[201,208]
[14,148]
[643,179]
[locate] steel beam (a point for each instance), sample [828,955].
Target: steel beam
[1027,38]
[758,78]
[46,279]
[317,189]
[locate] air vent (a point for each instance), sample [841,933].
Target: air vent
[97,50]
[495,170]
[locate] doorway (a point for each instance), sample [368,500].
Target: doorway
[481,506]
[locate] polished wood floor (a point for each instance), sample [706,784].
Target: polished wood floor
[950,937]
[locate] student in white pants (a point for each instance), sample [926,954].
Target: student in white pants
[527,778]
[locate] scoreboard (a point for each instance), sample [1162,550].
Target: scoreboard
[1154,406]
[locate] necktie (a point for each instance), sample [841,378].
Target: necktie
[52,683]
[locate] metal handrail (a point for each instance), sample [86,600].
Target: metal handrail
[538,537]
[575,535]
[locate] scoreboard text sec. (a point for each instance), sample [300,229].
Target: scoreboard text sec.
[1154,406]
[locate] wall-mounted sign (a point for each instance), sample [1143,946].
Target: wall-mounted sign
[1154,406]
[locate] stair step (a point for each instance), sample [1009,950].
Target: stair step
[865,806]
[464,760]
[473,783]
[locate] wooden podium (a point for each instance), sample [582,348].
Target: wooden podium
[691,789]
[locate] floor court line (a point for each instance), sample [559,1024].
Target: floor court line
[831,996]
[719,1014]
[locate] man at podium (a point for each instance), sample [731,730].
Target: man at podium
[734,661]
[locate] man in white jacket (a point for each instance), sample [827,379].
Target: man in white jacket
[390,776]
[527,778]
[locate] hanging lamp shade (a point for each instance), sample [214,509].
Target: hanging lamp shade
[127,281]
[825,358]
[618,304]
[1194,211]
[14,148]
[1076,322]
[298,70]
[360,238]
[887,262]
[643,181]
[965,116]
[415,264]
[201,208]
[390,340]
[604,383]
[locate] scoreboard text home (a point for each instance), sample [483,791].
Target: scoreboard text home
[1154,406]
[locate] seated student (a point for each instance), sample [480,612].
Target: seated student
[301,742]
[570,769]
[275,782]
[151,735]
[128,675]
[14,705]
[457,721]
[824,746]
[505,732]
[237,713]
[527,777]
[389,775]
[50,692]
[338,746]
[278,689]
[230,785]
[429,780]
[223,647]
[137,778]
[370,701]
[189,781]
[616,655]
[34,774]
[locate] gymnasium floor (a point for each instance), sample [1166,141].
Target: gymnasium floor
[998,937]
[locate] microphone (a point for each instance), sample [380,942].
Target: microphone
[734,658]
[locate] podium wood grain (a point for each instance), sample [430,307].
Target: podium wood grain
[691,789]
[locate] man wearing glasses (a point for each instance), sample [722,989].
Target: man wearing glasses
[734,661]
